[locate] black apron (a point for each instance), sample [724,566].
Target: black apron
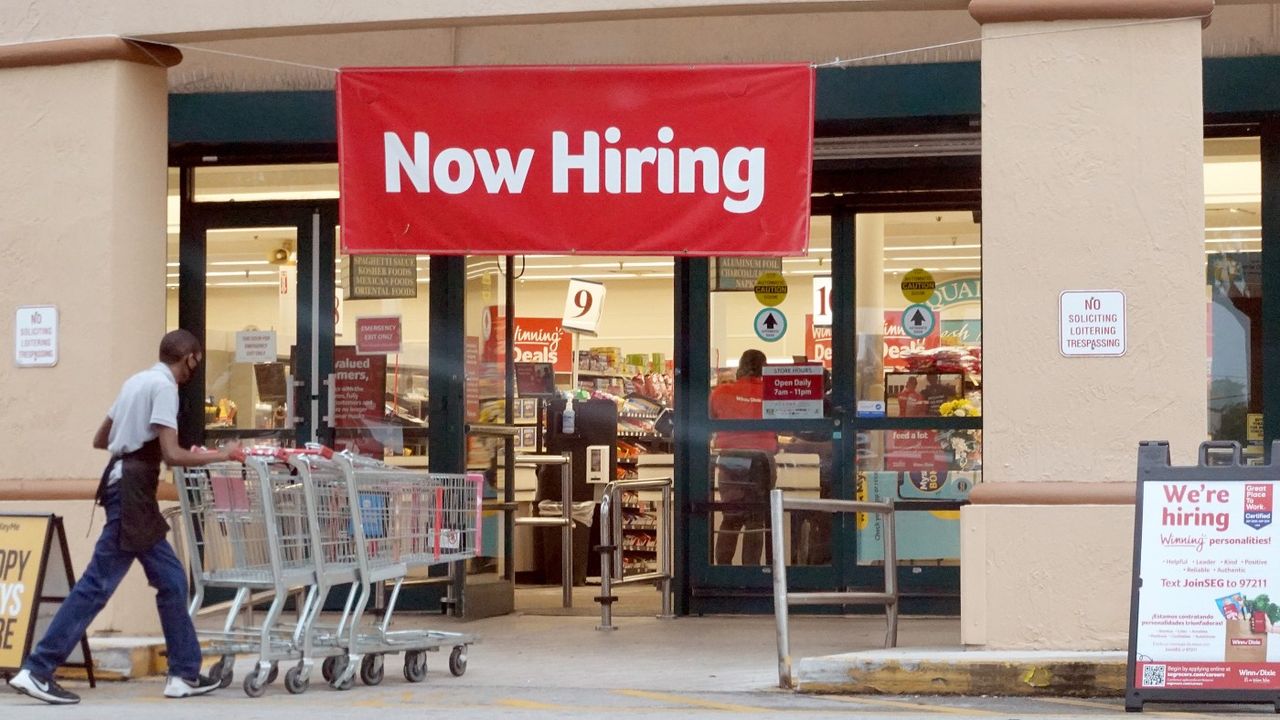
[141,523]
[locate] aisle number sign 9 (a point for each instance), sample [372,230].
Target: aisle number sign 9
[582,306]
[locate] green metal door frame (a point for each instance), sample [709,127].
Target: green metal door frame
[314,222]
[1269,132]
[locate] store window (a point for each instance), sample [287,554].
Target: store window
[173,223]
[249,290]
[1233,290]
[762,314]
[616,377]
[369,308]
[920,353]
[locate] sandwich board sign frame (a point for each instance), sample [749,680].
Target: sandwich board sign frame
[1203,558]
[35,564]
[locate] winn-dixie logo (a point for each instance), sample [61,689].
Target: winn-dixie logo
[585,165]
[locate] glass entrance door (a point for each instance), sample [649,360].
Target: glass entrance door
[762,410]
[887,306]
[253,286]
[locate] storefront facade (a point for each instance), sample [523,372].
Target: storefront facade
[940,165]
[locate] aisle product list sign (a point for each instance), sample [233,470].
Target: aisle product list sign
[1209,569]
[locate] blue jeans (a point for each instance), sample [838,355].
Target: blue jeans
[100,580]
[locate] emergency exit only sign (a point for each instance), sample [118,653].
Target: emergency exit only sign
[1092,323]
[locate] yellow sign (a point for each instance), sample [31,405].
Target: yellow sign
[22,546]
[771,289]
[918,285]
[1253,423]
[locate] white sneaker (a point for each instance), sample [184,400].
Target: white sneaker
[46,690]
[178,687]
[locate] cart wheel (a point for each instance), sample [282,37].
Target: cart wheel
[326,668]
[223,671]
[339,669]
[295,681]
[371,669]
[415,666]
[253,687]
[346,684]
[458,660]
[275,673]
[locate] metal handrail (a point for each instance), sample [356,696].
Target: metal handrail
[564,522]
[782,600]
[611,560]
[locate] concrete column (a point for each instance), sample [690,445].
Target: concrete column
[1092,127]
[82,226]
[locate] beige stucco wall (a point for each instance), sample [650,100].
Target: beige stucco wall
[1045,577]
[1092,170]
[1093,179]
[81,226]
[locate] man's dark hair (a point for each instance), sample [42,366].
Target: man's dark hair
[751,364]
[176,345]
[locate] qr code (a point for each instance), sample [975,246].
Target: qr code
[1153,676]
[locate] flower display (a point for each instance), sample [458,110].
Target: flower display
[960,407]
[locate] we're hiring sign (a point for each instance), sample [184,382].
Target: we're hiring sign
[612,160]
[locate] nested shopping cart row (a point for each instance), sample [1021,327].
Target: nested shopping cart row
[301,522]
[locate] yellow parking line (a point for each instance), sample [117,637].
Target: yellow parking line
[531,705]
[904,705]
[684,700]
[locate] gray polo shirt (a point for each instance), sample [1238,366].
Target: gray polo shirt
[147,399]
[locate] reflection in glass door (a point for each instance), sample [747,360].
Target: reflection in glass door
[250,286]
[918,371]
[251,330]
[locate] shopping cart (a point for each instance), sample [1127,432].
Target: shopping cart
[376,524]
[247,528]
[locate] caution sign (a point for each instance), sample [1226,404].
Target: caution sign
[771,289]
[918,285]
[35,570]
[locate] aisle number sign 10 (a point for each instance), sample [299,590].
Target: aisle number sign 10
[582,306]
[821,300]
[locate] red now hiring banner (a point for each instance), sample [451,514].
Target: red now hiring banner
[608,160]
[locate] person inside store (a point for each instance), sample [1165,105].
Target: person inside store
[910,402]
[745,470]
[936,393]
[140,430]
[811,530]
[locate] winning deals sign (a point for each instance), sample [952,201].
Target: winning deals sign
[612,160]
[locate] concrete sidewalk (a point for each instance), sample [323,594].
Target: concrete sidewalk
[726,653]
